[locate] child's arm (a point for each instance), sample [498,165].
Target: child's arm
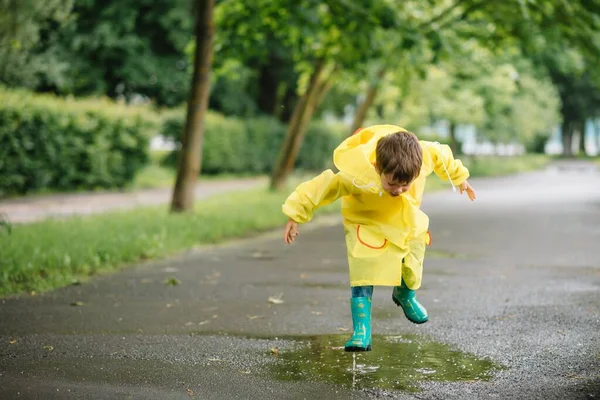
[308,196]
[447,167]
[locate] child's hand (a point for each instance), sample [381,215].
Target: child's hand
[465,186]
[291,231]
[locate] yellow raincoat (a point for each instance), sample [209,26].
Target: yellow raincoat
[381,230]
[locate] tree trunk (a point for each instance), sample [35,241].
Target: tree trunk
[190,156]
[286,103]
[453,144]
[297,128]
[567,138]
[268,80]
[324,86]
[361,113]
[582,139]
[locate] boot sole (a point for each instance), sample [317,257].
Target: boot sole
[405,314]
[356,348]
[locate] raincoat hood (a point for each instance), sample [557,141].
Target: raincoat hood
[356,156]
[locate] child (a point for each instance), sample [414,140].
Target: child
[381,178]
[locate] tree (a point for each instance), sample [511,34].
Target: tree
[574,24]
[255,66]
[337,36]
[22,51]
[121,49]
[190,156]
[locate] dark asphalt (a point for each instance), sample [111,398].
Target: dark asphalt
[513,278]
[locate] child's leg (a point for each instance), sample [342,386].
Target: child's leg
[362,291]
[360,305]
[405,298]
[404,295]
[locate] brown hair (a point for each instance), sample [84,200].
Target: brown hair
[399,155]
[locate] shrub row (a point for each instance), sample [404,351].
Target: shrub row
[54,143]
[250,146]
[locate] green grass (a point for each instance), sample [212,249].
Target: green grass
[46,255]
[487,166]
[54,253]
[155,175]
[497,166]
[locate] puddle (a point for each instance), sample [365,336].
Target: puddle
[396,362]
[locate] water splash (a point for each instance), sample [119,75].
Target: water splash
[396,362]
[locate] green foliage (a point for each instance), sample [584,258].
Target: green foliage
[61,144]
[123,48]
[501,94]
[23,46]
[249,146]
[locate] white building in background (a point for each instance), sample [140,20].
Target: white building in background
[592,136]
[467,135]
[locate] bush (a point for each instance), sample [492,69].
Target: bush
[250,146]
[60,144]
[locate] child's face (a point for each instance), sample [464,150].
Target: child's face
[393,188]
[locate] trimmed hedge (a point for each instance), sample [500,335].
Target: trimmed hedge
[47,142]
[250,146]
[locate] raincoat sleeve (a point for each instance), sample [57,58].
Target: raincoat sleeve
[444,164]
[319,191]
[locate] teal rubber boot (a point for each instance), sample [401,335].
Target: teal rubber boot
[405,298]
[361,319]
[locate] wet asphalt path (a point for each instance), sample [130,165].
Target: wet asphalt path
[513,279]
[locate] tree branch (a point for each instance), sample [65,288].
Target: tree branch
[442,14]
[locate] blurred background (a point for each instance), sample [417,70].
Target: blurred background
[93,92]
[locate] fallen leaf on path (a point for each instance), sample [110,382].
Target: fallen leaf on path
[13,341]
[245,372]
[190,392]
[203,323]
[49,348]
[303,276]
[77,303]
[343,329]
[334,347]
[215,359]
[275,351]
[276,300]
[172,281]
[251,317]
[316,312]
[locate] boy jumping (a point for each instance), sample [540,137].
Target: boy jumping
[381,178]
